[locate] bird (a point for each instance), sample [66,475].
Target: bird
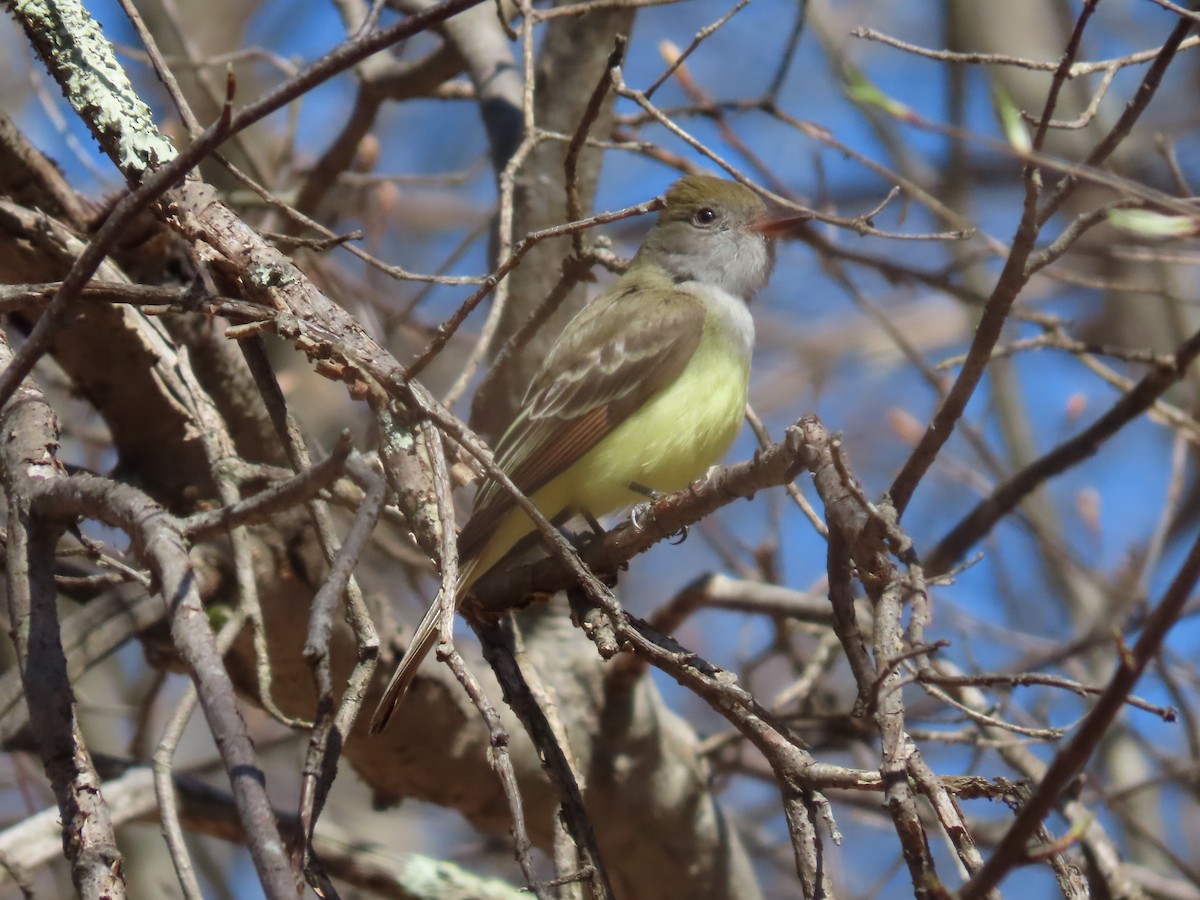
[644,389]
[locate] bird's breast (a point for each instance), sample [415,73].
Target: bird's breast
[683,429]
[729,320]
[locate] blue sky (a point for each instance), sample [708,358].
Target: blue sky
[856,391]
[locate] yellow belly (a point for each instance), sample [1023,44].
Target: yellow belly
[680,432]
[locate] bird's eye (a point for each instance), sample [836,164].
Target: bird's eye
[704,216]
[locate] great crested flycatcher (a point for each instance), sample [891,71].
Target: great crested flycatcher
[645,387]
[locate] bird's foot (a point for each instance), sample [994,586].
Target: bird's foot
[583,538]
[638,514]
[597,530]
[577,539]
[648,492]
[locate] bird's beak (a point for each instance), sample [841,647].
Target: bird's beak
[773,225]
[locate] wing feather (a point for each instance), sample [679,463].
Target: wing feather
[614,356]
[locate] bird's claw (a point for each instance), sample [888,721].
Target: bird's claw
[639,512]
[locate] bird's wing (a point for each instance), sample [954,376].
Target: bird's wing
[613,357]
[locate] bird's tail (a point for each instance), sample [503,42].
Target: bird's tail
[422,642]
[424,639]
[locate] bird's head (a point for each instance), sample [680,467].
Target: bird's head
[715,232]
